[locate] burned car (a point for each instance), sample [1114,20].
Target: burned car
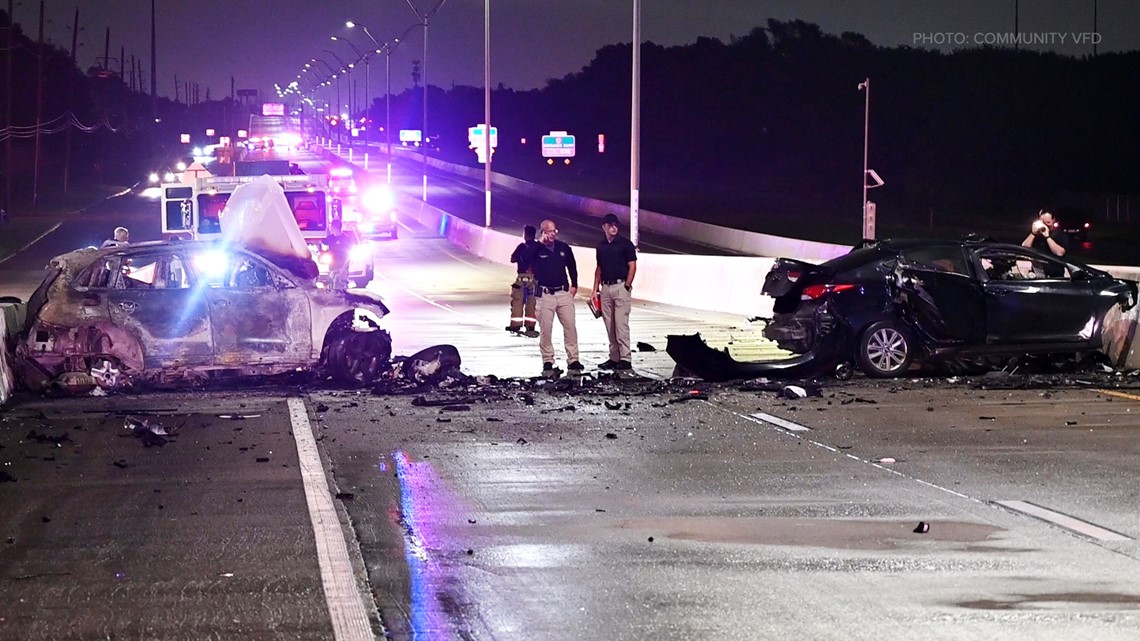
[164,312]
[963,304]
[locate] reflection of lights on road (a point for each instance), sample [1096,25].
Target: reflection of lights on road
[153,193]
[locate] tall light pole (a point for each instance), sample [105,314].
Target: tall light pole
[487,104]
[386,48]
[346,69]
[335,75]
[635,130]
[425,18]
[868,173]
[364,57]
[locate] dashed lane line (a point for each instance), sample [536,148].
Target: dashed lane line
[1063,520]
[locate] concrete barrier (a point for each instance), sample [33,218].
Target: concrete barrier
[728,284]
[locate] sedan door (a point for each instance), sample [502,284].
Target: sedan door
[1024,305]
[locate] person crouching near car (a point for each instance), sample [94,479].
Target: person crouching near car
[613,279]
[556,284]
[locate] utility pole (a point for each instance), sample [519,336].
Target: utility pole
[153,67]
[39,108]
[10,43]
[70,101]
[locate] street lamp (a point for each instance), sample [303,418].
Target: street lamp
[386,48]
[424,18]
[364,57]
[346,69]
[635,130]
[868,207]
[335,74]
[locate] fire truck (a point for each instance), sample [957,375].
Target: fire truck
[193,212]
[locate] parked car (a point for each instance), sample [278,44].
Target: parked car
[894,304]
[161,312]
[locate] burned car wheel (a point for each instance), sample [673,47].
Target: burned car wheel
[358,357]
[885,350]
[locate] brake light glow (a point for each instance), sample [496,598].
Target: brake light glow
[815,292]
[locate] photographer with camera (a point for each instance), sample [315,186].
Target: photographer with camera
[1046,236]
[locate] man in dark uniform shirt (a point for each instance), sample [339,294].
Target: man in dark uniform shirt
[552,263]
[522,291]
[1047,237]
[613,279]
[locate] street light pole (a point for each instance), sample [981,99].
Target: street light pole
[487,104]
[423,147]
[364,57]
[345,70]
[866,87]
[635,130]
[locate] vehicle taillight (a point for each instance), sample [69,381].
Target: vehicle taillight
[794,276]
[814,292]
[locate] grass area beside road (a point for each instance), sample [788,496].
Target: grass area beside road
[26,224]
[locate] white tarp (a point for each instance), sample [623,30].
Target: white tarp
[10,315]
[257,216]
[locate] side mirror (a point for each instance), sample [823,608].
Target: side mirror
[1080,274]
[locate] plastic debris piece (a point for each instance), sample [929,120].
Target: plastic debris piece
[922,528]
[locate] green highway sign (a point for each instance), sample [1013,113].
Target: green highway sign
[558,144]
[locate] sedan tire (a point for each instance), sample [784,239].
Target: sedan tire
[884,350]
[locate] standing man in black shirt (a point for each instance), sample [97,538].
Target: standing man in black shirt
[553,261]
[522,291]
[613,278]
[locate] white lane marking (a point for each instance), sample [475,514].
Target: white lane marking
[1063,520]
[346,607]
[779,422]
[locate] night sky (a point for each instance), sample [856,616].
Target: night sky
[262,42]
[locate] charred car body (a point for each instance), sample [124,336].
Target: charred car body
[962,305]
[164,312]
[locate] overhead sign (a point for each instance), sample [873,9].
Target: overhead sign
[273,109]
[210,132]
[477,134]
[558,144]
[410,135]
[185,139]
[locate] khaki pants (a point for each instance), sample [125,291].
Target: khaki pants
[523,302]
[616,303]
[560,304]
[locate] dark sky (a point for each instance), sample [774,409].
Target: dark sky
[262,42]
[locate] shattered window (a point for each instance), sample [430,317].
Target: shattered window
[1004,264]
[249,274]
[945,258]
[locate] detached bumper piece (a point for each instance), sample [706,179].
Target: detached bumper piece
[693,355]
